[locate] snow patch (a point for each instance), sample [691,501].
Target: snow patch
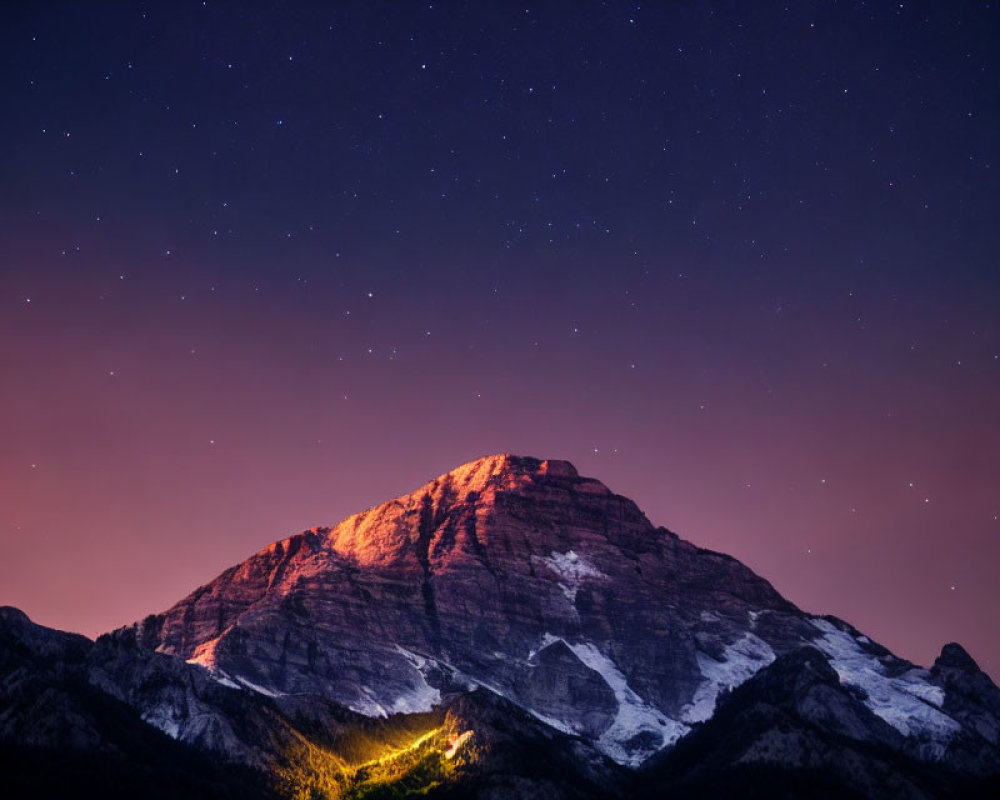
[634,716]
[257,687]
[915,682]
[909,702]
[162,718]
[221,677]
[741,660]
[367,705]
[421,697]
[552,722]
[574,569]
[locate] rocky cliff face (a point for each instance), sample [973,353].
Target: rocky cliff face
[793,730]
[798,729]
[68,729]
[521,576]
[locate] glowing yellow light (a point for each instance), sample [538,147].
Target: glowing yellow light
[457,742]
[428,760]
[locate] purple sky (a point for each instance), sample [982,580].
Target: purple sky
[263,268]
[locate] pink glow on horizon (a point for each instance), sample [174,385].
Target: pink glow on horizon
[134,488]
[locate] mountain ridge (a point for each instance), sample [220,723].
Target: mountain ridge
[513,601]
[507,572]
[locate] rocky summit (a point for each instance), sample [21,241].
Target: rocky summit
[545,587]
[510,573]
[513,601]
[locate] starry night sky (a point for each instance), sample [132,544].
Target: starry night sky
[265,265]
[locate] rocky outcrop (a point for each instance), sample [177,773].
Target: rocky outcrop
[972,699]
[63,735]
[793,730]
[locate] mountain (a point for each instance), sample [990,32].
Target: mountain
[95,719]
[514,629]
[796,729]
[510,573]
[62,734]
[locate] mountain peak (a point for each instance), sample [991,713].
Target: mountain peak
[954,656]
[505,471]
[508,464]
[449,517]
[510,572]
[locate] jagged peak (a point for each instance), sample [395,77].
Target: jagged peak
[506,471]
[954,656]
[373,537]
[508,465]
[500,471]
